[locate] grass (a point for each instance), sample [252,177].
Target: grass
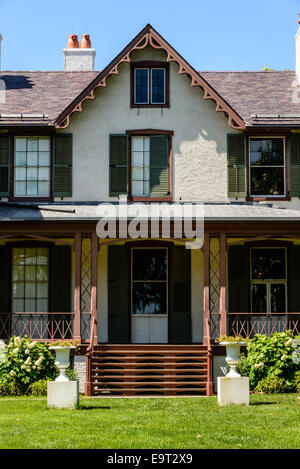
[161,423]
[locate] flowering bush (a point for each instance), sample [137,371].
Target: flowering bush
[27,361]
[271,356]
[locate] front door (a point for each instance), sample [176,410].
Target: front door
[149,295]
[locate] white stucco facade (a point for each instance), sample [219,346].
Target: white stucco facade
[199,141]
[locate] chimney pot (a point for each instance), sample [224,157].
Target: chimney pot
[85,42]
[73,42]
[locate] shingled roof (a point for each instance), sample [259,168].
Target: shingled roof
[260,98]
[39,93]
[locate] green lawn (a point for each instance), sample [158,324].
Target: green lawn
[269,422]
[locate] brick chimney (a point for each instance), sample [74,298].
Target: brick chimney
[79,58]
[298,53]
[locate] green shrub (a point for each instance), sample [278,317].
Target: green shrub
[272,385]
[26,362]
[72,374]
[10,388]
[297,381]
[271,356]
[243,367]
[39,388]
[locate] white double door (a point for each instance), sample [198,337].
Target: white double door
[149,329]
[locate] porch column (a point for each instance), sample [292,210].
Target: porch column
[77,290]
[223,310]
[94,279]
[206,309]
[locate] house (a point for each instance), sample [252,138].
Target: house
[148,129]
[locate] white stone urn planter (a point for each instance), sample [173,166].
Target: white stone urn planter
[233,357]
[62,360]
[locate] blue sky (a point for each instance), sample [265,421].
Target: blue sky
[210,34]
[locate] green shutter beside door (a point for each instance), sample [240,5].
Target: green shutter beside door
[62,165]
[159,166]
[118,314]
[4,165]
[295,165]
[236,165]
[180,320]
[118,165]
[238,279]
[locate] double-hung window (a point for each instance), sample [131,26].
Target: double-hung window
[32,167]
[150,84]
[140,165]
[267,167]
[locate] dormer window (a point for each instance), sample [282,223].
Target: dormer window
[150,84]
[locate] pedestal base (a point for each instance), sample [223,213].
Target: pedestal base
[63,395]
[233,390]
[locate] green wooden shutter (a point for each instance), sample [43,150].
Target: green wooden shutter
[60,279]
[118,314]
[118,165]
[295,165]
[4,165]
[180,320]
[159,166]
[236,162]
[295,280]
[62,166]
[238,280]
[5,269]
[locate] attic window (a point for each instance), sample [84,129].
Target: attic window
[150,84]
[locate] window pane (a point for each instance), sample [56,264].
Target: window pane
[259,298]
[149,264]
[268,263]
[137,188]
[44,174]
[137,174]
[149,298]
[44,158]
[21,144]
[30,290]
[158,86]
[18,306]
[141,86]
[267,181]
[18,256]
[30,256]
[278,303]
[21,158]
[42,290]
[43,188]
[30,273]
[31,174]
[44,144]
[32,188]
[267,152]
[42,258]
[20,174]
[32,158]
[32,144]
[20,188]
[18,290]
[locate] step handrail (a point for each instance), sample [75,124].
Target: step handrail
[209,390]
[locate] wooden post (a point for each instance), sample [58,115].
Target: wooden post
[223,310]
[88,383]
[206,310]
[77,291]
[94,279]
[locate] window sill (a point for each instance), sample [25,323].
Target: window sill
[149,199]
[31,199]
[133,105]
[263,199]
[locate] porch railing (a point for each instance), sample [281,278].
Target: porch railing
[43,326]
[249,324]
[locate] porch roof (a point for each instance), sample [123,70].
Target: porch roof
[89,211]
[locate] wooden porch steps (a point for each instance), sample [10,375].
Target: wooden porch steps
[148,370]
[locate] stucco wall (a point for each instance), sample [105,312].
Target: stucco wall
[199,142]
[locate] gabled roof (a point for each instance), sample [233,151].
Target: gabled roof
[48,98]
[148,36]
